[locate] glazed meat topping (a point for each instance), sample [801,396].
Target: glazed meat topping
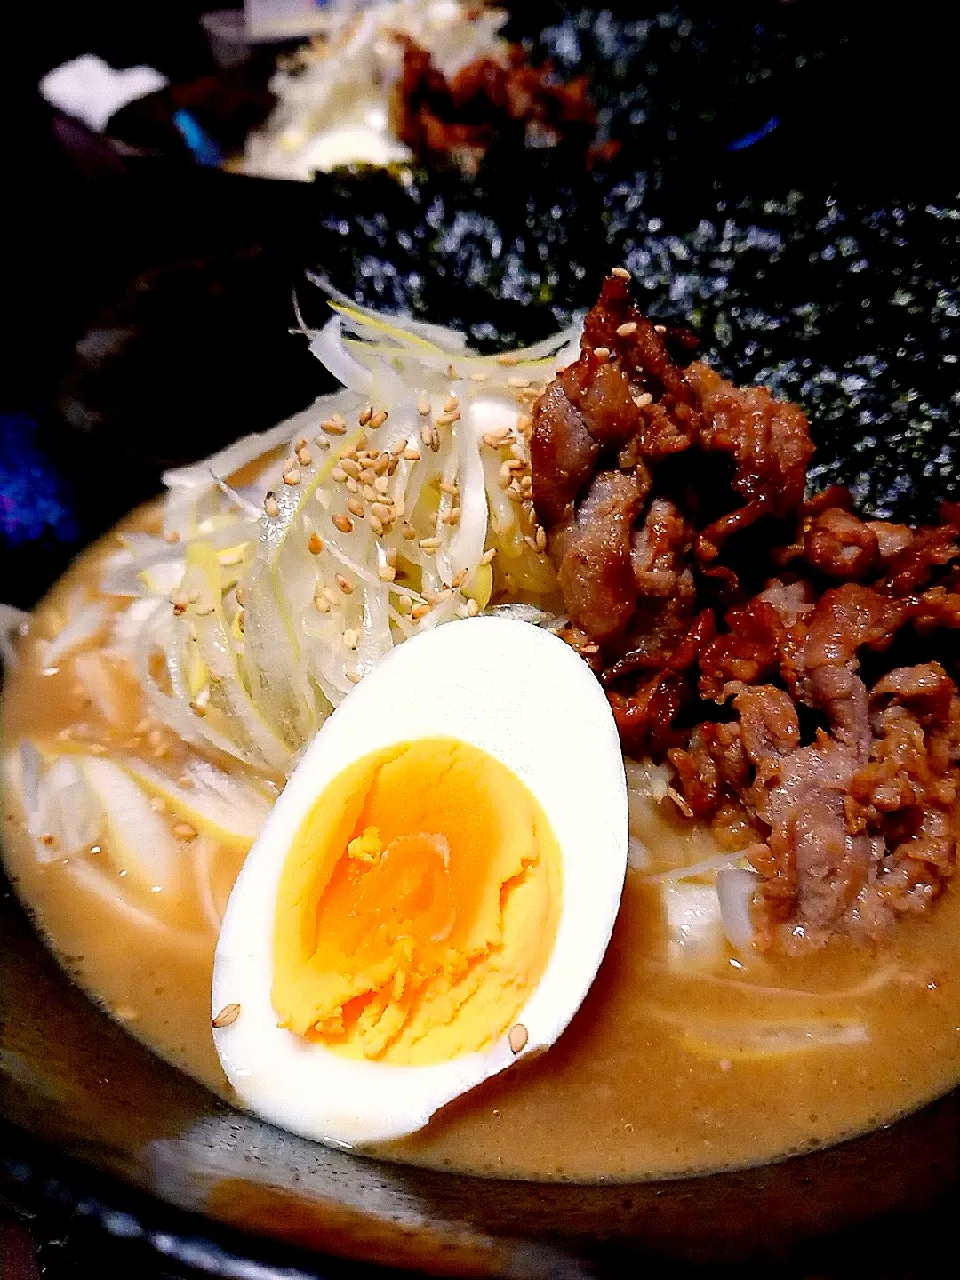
[489,100]
[795,664]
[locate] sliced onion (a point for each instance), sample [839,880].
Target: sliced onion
[84,623]
[735,889]
[638,855]
[327,346]
[694,929]
[62,816]
[96,882]
[71,807]
[231,810]
[102,686]
[136,838]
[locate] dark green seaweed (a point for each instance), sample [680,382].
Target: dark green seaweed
[845,300]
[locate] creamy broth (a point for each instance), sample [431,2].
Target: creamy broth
[670,1067]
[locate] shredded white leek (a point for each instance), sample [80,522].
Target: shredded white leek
[293,560]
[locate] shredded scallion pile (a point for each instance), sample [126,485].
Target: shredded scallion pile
[293,560]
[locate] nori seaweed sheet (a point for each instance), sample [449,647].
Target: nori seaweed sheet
[843,299]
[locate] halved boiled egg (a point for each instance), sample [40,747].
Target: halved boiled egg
[431,896]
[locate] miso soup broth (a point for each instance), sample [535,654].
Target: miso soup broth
[686,1057]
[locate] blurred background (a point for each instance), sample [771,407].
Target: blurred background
[785,179]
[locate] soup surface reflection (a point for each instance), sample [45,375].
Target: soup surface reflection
[675,1063]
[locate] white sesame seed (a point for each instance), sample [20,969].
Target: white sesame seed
[517,1037]
[344,583]
[343,523]
[423,407]
[495,439]
[387,573]
[292,476]
[270,505]
[351,639]
[627,330]
[472,609]
[334,427]
[227,1016]
[356,508]
[622,272]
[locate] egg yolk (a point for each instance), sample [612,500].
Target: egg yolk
[417,907]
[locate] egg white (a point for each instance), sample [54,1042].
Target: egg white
[521,695]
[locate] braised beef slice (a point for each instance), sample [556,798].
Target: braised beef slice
[796,665]
[490,101]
